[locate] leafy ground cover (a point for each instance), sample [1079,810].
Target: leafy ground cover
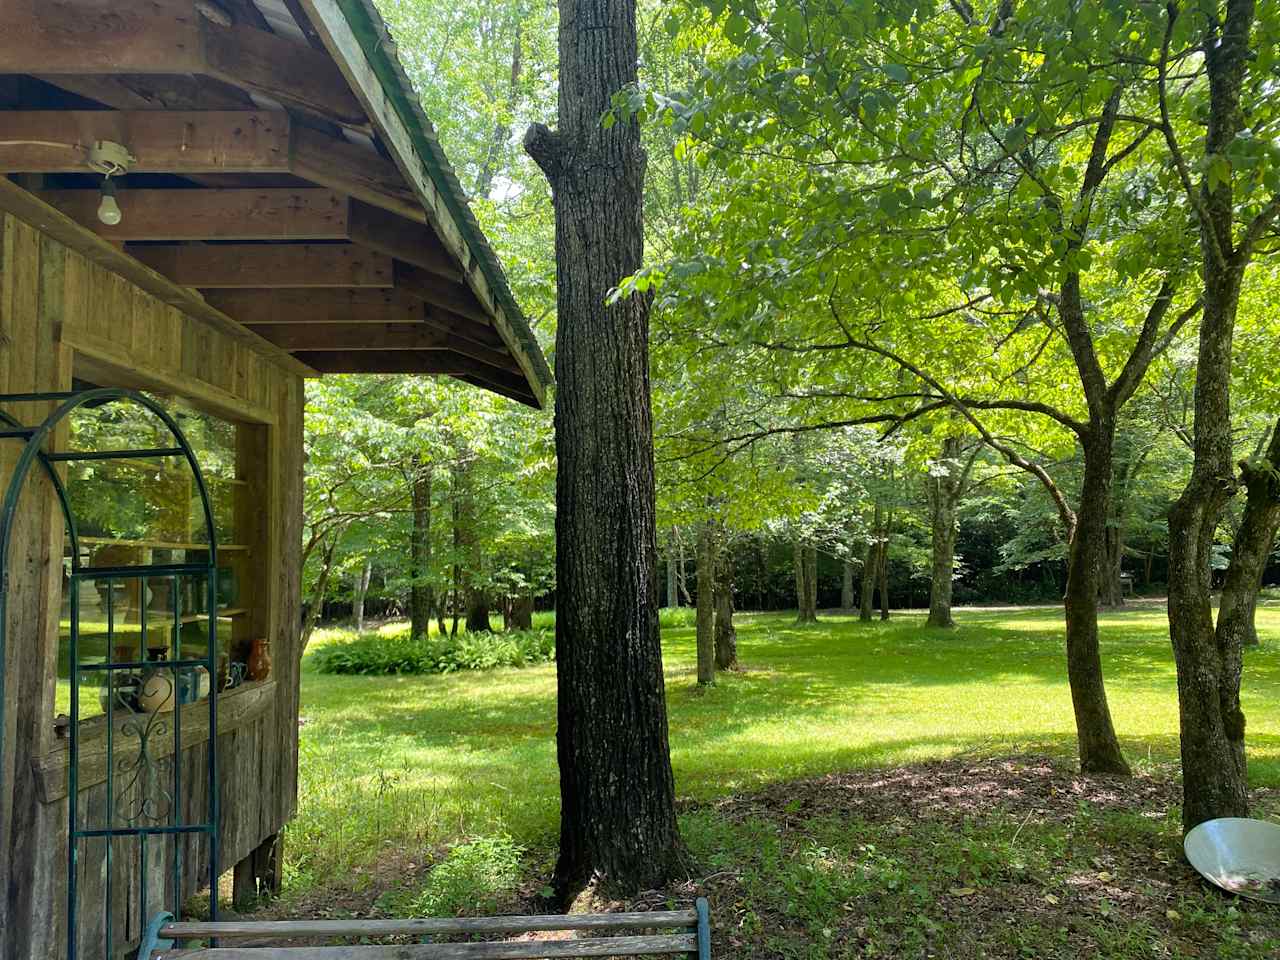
[859,790]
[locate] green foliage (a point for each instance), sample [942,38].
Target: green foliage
[472,880]
[395,652]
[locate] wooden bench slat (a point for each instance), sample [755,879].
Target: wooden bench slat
[533,949]
[655,920]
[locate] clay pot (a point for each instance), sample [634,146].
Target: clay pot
[156,693]
[259,667]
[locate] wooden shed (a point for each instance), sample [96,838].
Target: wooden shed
[205,202]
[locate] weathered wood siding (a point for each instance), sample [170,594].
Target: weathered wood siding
[63,316]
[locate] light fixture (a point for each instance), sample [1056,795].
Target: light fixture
[109,159]
[108,210]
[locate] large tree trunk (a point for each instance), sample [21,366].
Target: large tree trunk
[617,792]
[1252,547]
[362,589]
[1095,733]
[726,634]
[521,617]
[1214,776]
[420,599]
[478,611]
[706,641]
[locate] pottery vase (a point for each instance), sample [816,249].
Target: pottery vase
[259,666]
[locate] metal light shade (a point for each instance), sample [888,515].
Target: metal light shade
[1239,855]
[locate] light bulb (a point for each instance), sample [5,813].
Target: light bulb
[108,210]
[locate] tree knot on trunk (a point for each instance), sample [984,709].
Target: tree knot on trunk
[546,148]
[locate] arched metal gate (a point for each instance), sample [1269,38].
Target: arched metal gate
[145,797]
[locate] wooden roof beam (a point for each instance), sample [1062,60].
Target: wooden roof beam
[223,141]
[382,336]
[262,265]
[105,37]
[421,362]
[235,214]
[260,308]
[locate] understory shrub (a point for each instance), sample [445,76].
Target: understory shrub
[376,654]
[473,879]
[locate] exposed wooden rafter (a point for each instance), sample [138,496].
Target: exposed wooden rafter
[426,361]
[241,214]
[312,308]
[216,141]
[105,37]
[232,265]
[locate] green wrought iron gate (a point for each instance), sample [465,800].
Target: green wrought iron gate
[143,683]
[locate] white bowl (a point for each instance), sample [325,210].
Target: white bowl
[1240,855]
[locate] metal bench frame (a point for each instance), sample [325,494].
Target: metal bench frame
[690,936]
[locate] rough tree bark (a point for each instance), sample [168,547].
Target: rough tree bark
[726,633]
[1095,731]
[946,483]
[420,599]
[706,640]
[617,792]
[1209,662]
[1251,547]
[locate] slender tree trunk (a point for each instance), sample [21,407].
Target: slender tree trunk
[806,570]
[884,569]
[1095,732]
[1214,775]
[420,599]
[811,582]
[362,588]
[706,641]
[673,571]
[321,588]
[846,585]
[870,566]
[1251,548]
[944,494]
[617,792]
[1111,586]
[726,634]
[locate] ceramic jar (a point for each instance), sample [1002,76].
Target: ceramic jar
[259,667]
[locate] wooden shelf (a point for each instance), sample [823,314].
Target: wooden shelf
[158,544]
[223,614]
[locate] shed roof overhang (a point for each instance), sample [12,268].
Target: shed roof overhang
[285,183]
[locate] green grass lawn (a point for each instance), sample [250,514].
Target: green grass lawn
[402,768]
